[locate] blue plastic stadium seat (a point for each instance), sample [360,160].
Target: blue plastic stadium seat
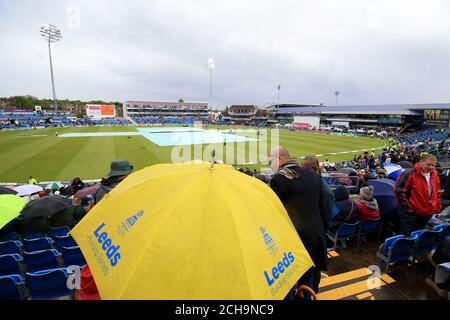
[41,260]
[12,287]
[368,226]
[344,231]
[444,230]
[73,256]
[425,241]
[395,249]
[30,245]
[65,241]
[10,236]
[47,284]
[10,247]
[11,264]
[33,235]
[60,231]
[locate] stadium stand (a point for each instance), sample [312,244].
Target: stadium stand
[46,256]
[27,119]
[174,113]
[40,269]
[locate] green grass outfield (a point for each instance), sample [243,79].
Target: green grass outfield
[48,157]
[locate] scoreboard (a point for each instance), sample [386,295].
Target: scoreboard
[437,116]
[100,110]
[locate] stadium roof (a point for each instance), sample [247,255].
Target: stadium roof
[398,109]
[165,103]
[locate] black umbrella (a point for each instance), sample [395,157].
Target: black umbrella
[46,206]
[4,190]
[347,170]
[405,164]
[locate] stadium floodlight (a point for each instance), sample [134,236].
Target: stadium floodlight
[336,93]
[278,100]
[211,67]
[51,33]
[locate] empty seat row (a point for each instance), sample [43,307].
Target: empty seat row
[41,260]
[43,284]
[53,232]
[30,245]
[349,230]
[401,248]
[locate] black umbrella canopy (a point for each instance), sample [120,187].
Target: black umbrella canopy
[46,206]
[4,190]
[347,170]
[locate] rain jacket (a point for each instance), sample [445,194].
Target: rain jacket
[368,209]
[411,190]
[88,288]
[106,186]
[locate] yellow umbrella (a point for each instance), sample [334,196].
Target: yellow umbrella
[189,231]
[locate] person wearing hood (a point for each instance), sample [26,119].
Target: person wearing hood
[77,184]
[348,211]
[368,205]
[119,170]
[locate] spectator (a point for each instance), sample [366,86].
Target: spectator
[446,192]
[348,211]
[299,189]
[32,180]
[120,169]
[418,193]
[442,178]
[381,174]
[326,210]
[388,159]
[368,205]
[77,184]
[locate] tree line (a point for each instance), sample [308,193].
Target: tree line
[29,102]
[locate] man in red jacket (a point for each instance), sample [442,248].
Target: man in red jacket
[419,195]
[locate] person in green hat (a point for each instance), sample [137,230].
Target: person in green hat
[119,170]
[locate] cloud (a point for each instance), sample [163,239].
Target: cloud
[374,52]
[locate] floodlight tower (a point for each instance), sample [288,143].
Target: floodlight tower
[51,33]
[336,93]
[211,67]
[278,99]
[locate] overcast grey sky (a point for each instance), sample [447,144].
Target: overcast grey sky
[372,51]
